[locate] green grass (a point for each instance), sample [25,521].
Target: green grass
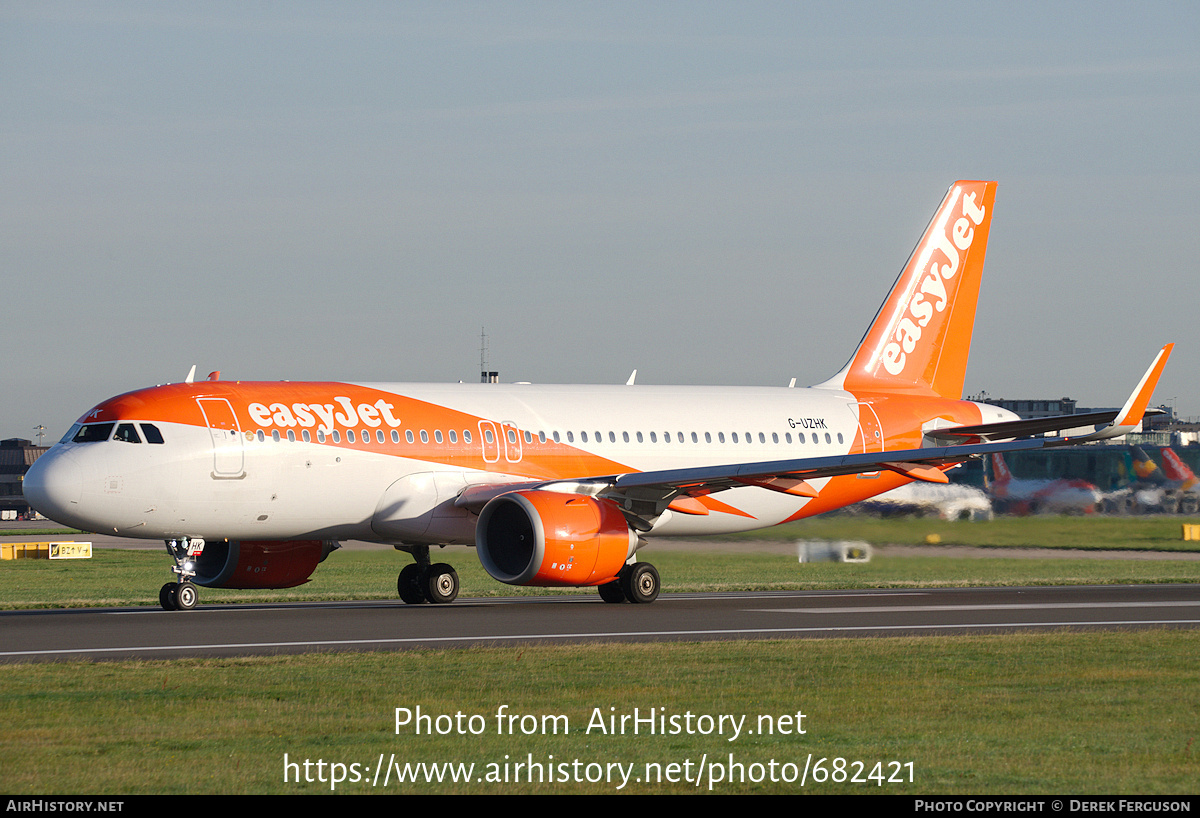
[42,533]
[1089,532]
[1069,713]
[114,577]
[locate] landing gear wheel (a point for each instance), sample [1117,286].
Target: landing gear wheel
[440,583]
[182,595]
[640,582]
[409,585]
[611,591]
[186,596]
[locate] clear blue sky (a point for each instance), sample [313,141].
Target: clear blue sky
[708,192]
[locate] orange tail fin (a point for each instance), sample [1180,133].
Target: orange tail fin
[1000,471]
[921,336]
[1176,469]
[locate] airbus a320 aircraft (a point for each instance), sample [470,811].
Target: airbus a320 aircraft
[251,485]
[1021,497]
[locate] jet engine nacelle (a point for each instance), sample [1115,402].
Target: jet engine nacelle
[260,563]
[552,538]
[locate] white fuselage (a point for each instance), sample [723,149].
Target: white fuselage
[358,476]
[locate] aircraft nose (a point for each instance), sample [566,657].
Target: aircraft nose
[54,484]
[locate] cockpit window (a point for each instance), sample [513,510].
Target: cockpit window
[127,433]
[93,433]
[70,435]
[151,433]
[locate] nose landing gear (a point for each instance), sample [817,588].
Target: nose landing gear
[182,595]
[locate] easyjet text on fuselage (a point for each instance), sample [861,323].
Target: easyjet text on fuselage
[324,416]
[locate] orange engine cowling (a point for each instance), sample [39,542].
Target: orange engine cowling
[551,538]
[260,563]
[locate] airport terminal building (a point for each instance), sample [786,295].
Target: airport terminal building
[16,456]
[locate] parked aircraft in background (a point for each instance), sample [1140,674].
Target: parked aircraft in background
[1178,471]
[949,502]
[1173,489]
[254,484]
[1013,496]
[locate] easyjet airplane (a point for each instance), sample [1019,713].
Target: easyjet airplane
[1015,496]
[251,485]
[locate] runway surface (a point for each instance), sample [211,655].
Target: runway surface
[239,630]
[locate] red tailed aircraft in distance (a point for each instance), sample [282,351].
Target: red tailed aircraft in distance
[252,484]
[1064,496]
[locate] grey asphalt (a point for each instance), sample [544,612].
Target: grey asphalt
[239,630]
[229,630]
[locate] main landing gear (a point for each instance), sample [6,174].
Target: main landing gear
[182,595]
[423,582]
[638,582]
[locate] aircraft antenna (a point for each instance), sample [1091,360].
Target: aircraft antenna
[485,375]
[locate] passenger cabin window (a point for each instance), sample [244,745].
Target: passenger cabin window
[93,433]
[126,433]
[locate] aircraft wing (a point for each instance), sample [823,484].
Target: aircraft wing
[918,464]
[1113,423]
[1033,426]
[643,496]
[647,494]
